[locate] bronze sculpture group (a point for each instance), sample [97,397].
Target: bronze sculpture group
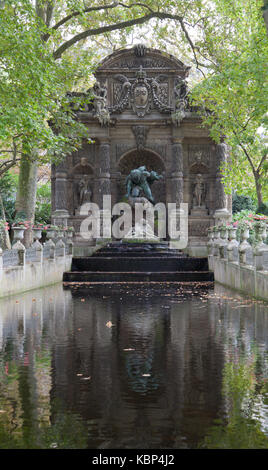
[138,183]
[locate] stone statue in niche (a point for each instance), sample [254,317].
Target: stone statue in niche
[138,184]
[84,192]
[199,196]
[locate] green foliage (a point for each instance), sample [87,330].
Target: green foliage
[263,209]
[33,90]
[235,91]
[43,204]
[240,202]
[8,187]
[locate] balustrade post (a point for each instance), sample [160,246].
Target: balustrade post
[217,240]
[60,244]
[37,234]
[210,244]
[223,242]
[21,252]
[244,246]
[260,248]
[232,246]
[50,243]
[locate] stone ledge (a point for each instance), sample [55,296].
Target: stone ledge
[17,279]
[242,278]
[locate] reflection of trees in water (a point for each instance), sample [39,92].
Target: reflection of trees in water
[183,348]
[245,392]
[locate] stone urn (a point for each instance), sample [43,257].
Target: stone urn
[70,234]
[245,234]
[37,233]
[217,240]
[210,243]
[244,245]
[50,233]
[59,234]
[232,233]
[260,231]
[18,233]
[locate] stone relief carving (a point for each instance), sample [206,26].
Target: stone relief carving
[139,50]
[198,228]
[163,88]
[134,63]
[121,149]
[82,168]
[140,133]
[141,93]
[181,92]
[199,158]
[100,104]
[158,148]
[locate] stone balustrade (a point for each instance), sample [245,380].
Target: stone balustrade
[240,261]
[22,269]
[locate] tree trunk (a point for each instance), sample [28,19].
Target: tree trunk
[4,236]
[258,189]
[26,194]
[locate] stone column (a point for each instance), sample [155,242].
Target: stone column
[103,182]
[176,181]
[221,211]
[61,214]
[103,186]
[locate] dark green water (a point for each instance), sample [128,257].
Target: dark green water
[139,369]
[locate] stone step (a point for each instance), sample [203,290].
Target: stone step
[98,276]
[137,253]
[142,264]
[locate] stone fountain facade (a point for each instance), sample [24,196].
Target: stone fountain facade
[140,115]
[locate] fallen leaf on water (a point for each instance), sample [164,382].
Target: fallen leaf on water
[109,324]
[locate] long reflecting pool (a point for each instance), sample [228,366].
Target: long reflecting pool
[133,367]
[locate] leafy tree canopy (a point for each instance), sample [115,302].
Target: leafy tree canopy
[48,47]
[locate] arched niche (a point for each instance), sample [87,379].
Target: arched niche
[81,171]
[134,159]
[196,169]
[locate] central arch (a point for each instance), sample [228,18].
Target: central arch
[134,159]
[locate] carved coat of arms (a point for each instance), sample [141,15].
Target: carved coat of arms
[140,93]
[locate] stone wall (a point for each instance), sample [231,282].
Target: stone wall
[237,263]
[40,265]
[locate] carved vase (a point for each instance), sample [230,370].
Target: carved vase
[37,233]
[18,233]
[50,233]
